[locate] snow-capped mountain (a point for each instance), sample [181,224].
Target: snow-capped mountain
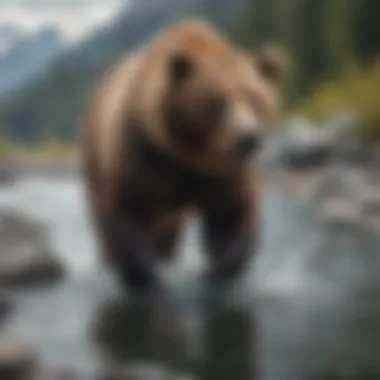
[34,33]
[28,58]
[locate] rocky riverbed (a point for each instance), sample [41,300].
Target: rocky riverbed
[25,256]
[10,170]
[307,309]
[330,168]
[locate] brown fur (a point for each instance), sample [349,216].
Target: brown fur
[141,182]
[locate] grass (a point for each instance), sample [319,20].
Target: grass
[357,89]
[48,151]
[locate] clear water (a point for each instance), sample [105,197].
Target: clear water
[309,306]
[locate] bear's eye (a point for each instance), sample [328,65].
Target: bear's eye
[214,108]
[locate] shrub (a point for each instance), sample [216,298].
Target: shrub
[357,89]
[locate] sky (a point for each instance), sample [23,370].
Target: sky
[74,19]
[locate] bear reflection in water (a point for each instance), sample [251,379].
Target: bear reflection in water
[215,344]
[277,341]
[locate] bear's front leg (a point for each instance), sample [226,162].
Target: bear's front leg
[134,256]
[230,237]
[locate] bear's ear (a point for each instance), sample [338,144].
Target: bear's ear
[181,67]
[272,62]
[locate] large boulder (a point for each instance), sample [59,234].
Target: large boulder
[299,145]
[348,196]
[302,145]
[25,256]
[17,361]
[356,152]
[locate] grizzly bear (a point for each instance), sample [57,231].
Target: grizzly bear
[175,128]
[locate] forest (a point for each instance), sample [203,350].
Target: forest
[334,48]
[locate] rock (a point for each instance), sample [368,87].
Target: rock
[307,157]
[371,205]
[17,361]
[7,175]
[340,213]
[120,374]
[369,197]
[29,268]
[348,196]
[336,198]
[57,374]
[356,152]
[25,258]
[143,371]
[340,125]
[302,145]
[339,180]
[5,308]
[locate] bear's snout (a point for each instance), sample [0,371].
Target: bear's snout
[248,143]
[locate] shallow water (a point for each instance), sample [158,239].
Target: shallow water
[309,307]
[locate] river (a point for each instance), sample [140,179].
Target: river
[309,307]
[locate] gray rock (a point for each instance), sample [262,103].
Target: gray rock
[340,125]
[340,213]
[143,371]
[369,198]
[307,158]
[5,308]
[57,374]
[25,258]
[7,175]
[339,180]
[302,145]
[356,152]
[17,361]
[348,196]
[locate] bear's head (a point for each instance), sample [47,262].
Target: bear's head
[208,103]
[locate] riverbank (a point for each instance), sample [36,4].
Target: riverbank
[328,166]
[21,168]
[48,159]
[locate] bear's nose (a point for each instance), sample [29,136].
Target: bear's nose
[248,143]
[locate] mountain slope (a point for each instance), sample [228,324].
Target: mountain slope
[29,57]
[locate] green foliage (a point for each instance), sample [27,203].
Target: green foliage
[365,21]
[319,35]
[55,149]
[357,88]
[6,148]
[44,151]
